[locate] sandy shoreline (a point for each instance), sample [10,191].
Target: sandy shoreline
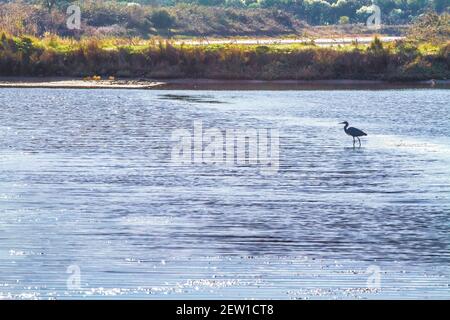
[70,83]
[207,84]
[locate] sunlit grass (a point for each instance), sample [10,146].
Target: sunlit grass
[135,57]
[64,45]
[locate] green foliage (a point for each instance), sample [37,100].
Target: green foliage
[313,11]
[376,45]
[344,20]
[330,11]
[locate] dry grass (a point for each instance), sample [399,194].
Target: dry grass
[55,56]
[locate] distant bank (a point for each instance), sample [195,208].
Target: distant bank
[393,60]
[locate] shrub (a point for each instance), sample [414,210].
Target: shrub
[344,20]
[162,19]
[431,27]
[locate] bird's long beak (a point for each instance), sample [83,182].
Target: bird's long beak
[341,123]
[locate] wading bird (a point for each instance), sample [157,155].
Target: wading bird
[354,132]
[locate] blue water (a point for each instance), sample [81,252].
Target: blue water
[86,180]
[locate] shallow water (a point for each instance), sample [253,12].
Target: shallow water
[86,180]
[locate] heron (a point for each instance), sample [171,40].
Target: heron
[354,132]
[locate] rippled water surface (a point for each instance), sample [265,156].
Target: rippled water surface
[86,180]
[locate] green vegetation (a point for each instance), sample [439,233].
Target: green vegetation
[147,18]
[113,19]
[53,56]
[344,20]
[313,11]
[118,40]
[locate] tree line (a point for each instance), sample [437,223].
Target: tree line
[329,11]
[315,12]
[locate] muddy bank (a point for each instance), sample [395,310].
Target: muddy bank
[210,84]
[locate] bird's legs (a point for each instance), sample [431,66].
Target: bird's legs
[359,141]
[353,142]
